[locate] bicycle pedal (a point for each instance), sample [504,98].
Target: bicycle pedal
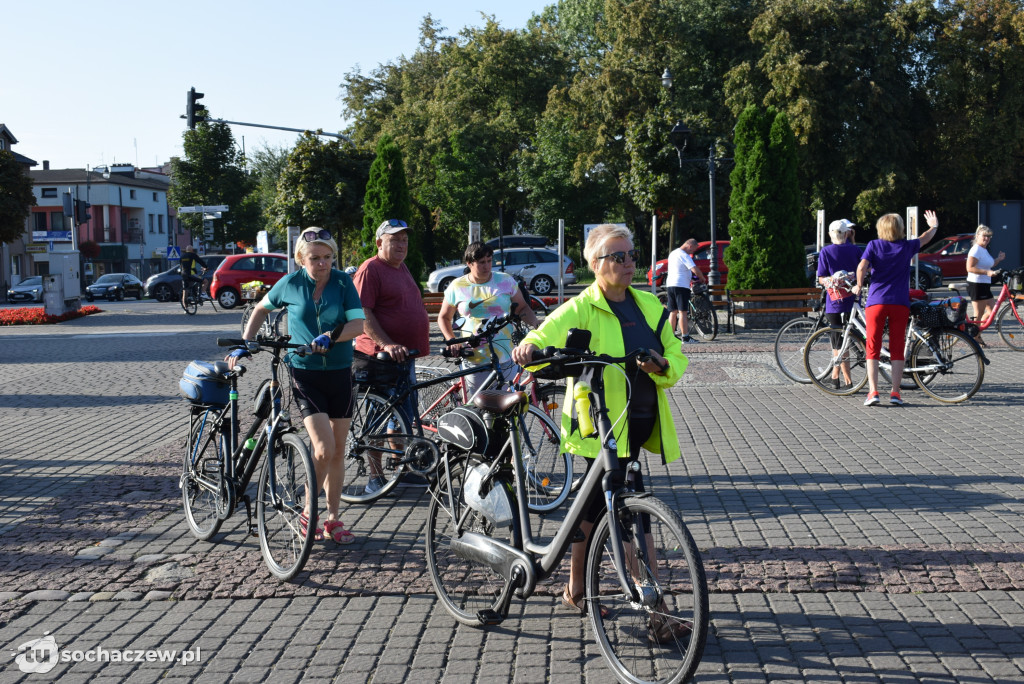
[489,616]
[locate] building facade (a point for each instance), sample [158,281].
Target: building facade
[15,264]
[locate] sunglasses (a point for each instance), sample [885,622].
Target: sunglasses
[620,257]
[396,223]
[314,235]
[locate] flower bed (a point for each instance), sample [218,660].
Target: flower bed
[37,315]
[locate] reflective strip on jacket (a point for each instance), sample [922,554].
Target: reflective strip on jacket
[589,310]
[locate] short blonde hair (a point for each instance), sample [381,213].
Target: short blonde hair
[599,236]
[301,245]
[890,228]
[981,232]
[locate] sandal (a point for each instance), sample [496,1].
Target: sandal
[577,604]
[335,529]
[665,629]
[318,534]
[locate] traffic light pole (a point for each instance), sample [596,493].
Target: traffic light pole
[282,128]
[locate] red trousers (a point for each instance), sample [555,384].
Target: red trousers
[898,316]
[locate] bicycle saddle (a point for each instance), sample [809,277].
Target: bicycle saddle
[496,401]
[221,367]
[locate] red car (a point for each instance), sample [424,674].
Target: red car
[949,254]
[241,268]
[702,258]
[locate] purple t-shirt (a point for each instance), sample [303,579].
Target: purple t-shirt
[890,270]
[844,257]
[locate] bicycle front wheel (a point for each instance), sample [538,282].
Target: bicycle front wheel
[821,362]
[1009,325]
[789,348]
[464,587]
[960,369]
[660,638]
[201,478]
[375,446]
[548,469]
[286,491]
[246,315]
[437,399]
[549,400]
[703,317]
[190,305]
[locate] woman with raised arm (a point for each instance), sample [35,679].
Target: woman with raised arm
[324,312]
[621,319]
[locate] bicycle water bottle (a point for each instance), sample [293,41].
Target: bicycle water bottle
[581,394]
[250,444]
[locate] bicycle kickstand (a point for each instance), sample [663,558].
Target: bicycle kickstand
[253,532]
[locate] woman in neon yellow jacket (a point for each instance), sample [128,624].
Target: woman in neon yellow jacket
[621,319]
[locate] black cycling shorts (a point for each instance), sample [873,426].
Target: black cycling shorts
[323,391]
[679,299]
[640,430]
[979,292]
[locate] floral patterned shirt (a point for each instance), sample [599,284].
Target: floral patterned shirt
[479,301]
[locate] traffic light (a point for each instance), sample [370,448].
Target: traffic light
[82,212]
[194,111]
[69,205]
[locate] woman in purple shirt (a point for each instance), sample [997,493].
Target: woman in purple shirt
[889,299]
[841,255]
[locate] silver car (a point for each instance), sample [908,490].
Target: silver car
[537,266]
[28,290]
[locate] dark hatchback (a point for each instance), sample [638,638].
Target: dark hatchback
[114,286]
[166,286]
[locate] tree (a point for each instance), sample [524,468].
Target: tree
[387,197]
[765,250]
[16,198]
[322,185]
[212,173]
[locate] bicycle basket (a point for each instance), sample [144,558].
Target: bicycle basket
[203,383]
[368,371]
[837,288]
[940,315]
[1016,282]
[699,289]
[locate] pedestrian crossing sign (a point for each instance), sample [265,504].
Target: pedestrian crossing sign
[173,253]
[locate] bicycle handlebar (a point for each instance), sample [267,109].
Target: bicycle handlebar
[489,330]
[560,358]
[263,344]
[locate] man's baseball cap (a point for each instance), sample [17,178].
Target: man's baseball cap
[840,227]
[390,227]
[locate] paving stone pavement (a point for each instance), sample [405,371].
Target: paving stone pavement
[842,543]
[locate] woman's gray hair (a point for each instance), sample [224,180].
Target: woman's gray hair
[982,231]
[601,234]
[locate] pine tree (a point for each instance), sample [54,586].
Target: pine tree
[387,197]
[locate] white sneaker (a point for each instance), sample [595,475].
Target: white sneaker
[872,399]
[690,340]
[374,485]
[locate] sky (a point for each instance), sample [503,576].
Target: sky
[104,82]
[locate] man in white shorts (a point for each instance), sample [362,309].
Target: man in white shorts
[681,271]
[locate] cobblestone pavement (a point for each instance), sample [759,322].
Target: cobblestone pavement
[842,543]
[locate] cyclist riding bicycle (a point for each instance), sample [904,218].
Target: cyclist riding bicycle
[190,273]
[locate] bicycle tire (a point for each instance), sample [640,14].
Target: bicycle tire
[819,362]
[280,325]
[540,309]
[1009,327]
[200,503]
[674,592]
[371,416]
[549,398]
[790,343]
[464,587]
[703,318]
[281,502]
[437,399]
[190,306]
[246,315]
[964,377]
[548,470]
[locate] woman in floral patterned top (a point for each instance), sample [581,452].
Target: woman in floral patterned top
[477,296]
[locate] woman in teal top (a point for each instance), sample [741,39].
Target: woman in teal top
[324,312]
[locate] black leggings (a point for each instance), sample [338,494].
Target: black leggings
[640,429]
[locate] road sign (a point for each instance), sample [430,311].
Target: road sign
[203,209]
[173,253]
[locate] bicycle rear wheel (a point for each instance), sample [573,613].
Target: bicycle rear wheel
[437,399]
[550,398]
[1010,328]
[548,469]
[202,491]
[703,317]
[464,587]
[661,638]
[964,370]
[376,440]
[190,305]
[820,360]
[287,489]
[789,348]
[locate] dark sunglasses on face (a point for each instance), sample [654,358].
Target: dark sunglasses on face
[314,235]
[620,257]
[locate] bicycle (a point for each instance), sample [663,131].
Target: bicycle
[945,363]
[645,587]
[276,324]
[1010,318]
[792,338]
[195,298]
[382,445]
[218,465]
[701,312]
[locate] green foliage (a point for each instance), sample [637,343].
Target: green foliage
[387,197]
[212,172]
[16,198]
[765,249]
[322,184]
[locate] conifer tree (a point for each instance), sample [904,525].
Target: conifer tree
[387,197]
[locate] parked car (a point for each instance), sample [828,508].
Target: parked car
[241,268]
[701,258]
[539,268]
[519,241]
[28,290]
[949,254]
[166,286]
[929,275]
[114,286]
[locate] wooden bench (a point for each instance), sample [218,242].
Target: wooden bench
[432,302]
[793,300]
